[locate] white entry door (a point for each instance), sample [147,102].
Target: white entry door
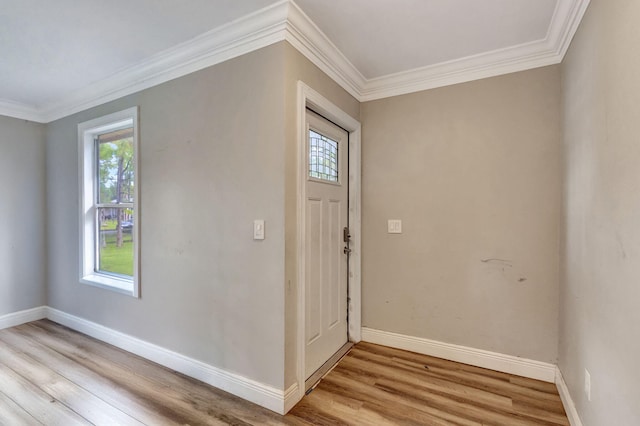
[326,210]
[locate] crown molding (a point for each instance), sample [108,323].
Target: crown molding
[14,109]
[485,65]
[284,20]
[564,24]
[548,51]
[303,34]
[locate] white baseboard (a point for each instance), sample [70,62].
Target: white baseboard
[23,317]
[282,401]
[258,393]
[291,398]
[480,358]
[567,401]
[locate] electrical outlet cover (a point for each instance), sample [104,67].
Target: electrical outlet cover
[394,226]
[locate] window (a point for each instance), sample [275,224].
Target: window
[109,224]
[323,157]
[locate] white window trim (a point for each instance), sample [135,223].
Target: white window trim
[87,168]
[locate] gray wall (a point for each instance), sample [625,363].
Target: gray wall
[211,161]
[22,215]
[600,319]
[473,171]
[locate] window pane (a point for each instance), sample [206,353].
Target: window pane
[115,167]
[323,157]
[115,241]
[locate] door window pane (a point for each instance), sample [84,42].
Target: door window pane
[323,157]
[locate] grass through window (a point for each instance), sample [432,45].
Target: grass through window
[114,259]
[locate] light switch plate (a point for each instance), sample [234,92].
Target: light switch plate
[394,226]
[258,229]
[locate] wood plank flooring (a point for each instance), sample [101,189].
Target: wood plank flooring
[379,385]
[51,375]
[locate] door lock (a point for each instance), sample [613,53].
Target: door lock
[345,235]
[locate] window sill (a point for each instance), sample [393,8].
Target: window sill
[119,285]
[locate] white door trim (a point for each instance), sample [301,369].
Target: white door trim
[307,97]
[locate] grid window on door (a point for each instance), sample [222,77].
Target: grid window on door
[323,157]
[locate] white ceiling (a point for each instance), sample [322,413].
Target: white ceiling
[59,57]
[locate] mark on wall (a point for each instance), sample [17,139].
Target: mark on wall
[499,262]
[503,268]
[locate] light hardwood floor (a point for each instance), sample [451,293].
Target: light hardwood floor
[52,375]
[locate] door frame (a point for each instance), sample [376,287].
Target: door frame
[309,98]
